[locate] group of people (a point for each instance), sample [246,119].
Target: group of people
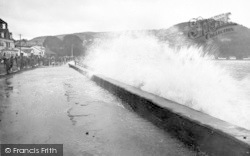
[21,61]
[8,63]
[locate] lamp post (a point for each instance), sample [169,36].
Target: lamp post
[72,50]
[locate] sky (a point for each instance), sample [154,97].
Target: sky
[33,18]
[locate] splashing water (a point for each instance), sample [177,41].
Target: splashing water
[187,75]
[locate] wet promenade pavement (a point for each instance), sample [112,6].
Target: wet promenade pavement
[59,105]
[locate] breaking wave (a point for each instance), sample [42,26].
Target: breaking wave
[188,75]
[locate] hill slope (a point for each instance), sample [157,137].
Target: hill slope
[234,43]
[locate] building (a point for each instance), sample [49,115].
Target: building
[38,50]
[7,45]
[22,43]
[27,51]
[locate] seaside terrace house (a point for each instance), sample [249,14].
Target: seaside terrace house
[7,45]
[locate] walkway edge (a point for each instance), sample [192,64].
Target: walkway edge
[201,131]
[17,72]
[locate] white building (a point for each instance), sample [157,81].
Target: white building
[27,51]
[38,50]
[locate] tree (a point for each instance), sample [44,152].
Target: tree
[54,44]
[73,44]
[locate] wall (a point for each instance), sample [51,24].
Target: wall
[199,131]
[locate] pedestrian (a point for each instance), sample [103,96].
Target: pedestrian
[6,63]
[21,61]
[18,62]
[16,58]
[11,63]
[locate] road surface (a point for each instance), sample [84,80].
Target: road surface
[57,105]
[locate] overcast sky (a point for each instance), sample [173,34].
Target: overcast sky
[33,18]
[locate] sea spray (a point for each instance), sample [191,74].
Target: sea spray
[188,75]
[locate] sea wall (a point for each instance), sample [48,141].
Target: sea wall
[196,129]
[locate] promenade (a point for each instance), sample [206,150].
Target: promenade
[59,105]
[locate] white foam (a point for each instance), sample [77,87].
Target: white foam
[186,75]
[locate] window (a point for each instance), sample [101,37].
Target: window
[12,45]
[7,44]
[4,26]
[2,34]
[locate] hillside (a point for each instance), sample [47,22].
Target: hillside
[84,36]
[234,43]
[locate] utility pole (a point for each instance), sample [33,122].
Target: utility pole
[21,61]
[20,43]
